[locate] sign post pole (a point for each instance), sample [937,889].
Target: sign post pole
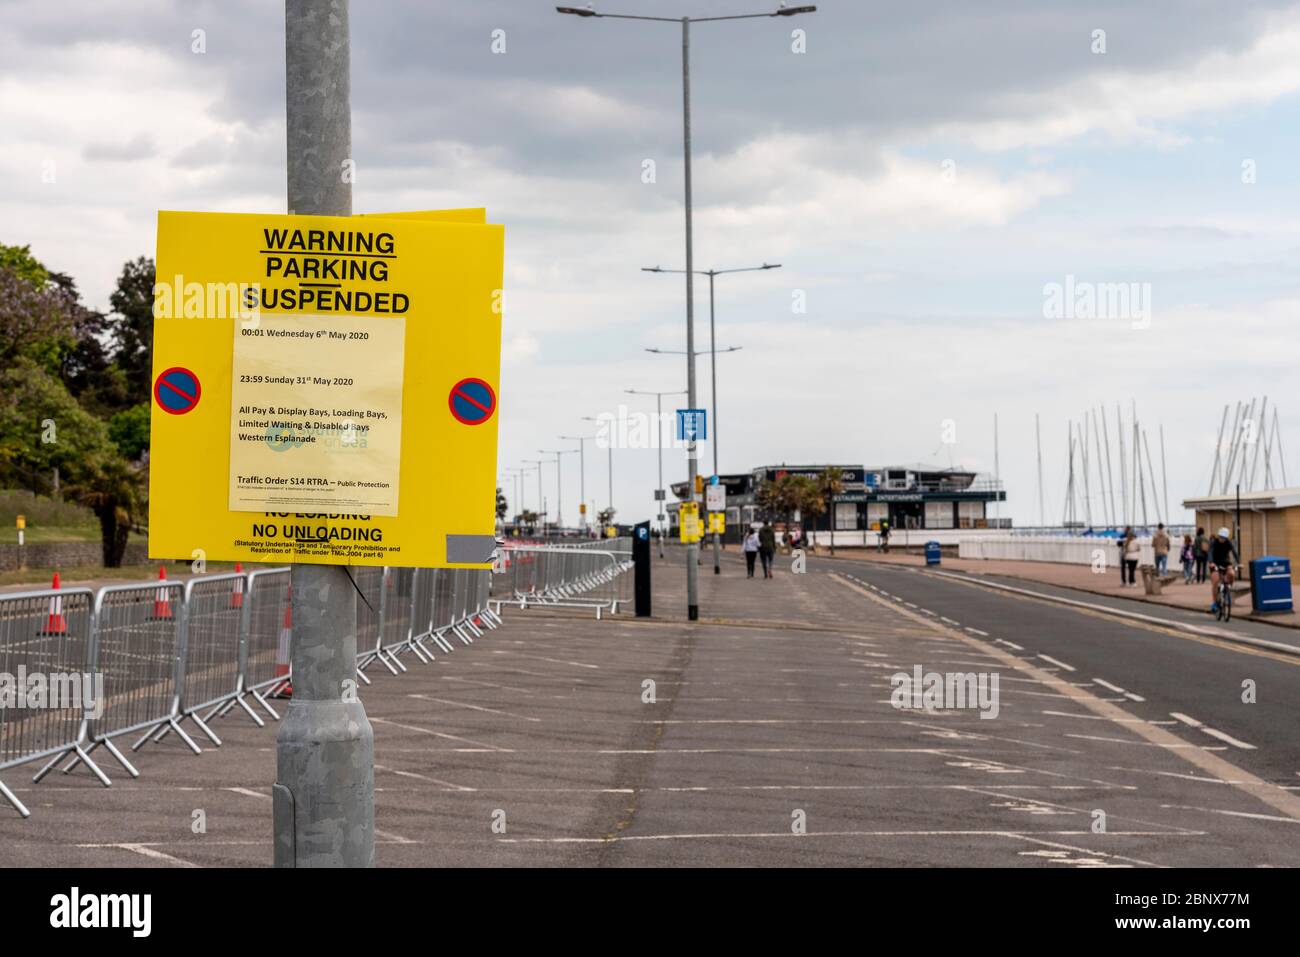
[324,808]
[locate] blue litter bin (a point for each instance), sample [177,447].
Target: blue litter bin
[1270,583]
[932,557]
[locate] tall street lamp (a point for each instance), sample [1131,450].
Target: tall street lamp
[661,494]
[713,348]
[559,488]
[582,470]
[541,510]
[713,431]
[609,444]
[693,548]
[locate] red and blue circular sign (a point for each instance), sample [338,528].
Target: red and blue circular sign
[177,390]
[472,401]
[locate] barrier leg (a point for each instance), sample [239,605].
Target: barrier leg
[205,729]
[121,758]
[264,703]
[13,799]
[49,765]
[94,768]
[257,718]
[184,737]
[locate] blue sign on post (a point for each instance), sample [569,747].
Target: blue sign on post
[713,480]
[692,425]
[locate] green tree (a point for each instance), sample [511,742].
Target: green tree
[131,326]
[36,322]
[502,506]
[129,431]
[115,491]
[43,428]
[20,261]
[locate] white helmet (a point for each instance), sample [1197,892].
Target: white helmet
[1224,533]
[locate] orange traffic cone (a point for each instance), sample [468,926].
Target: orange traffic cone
[282,650]
[55,623]
[162,606]
[237,592]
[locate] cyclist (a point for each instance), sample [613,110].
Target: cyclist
[1223,564]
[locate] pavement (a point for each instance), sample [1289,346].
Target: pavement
[764,735]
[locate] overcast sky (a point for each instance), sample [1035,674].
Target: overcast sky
[922,172]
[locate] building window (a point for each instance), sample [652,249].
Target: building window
[846,516]
[970,514]
[938,514]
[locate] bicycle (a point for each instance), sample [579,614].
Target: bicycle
[1223,609]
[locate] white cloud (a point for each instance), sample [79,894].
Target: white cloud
[1130,106]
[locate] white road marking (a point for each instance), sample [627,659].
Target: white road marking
[1002,641]
[1212,732]
[1149,744]
[422,777]
[473,707]
[976,631]
[554,661]
[144,850]
[1215,810]
[950,621]
[768,835]
[1059,664]
[436,734]
[394,838]
[248,793]
[1215,733]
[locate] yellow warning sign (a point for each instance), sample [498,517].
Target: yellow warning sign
[689,517]
[325,388]
[718,522]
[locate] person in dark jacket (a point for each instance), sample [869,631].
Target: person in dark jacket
[766,547]
[1201,552]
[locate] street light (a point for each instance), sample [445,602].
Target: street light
[713,350]
[541,510]
[692,549]
[609,444]
[713,433]
[559,488]
[660,491]
[582,470]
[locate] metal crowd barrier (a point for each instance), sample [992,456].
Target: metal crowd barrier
[588,575]
[169,652]
[45,633]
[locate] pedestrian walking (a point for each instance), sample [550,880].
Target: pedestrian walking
[750,548]
[1188,557]
[767,547]
[1160,545]
[1131,551]
[1201,549]
[882,538]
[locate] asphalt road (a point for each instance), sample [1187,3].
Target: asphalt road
[1172,671]
[766,734]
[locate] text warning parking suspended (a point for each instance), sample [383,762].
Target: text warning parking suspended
[327,348]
